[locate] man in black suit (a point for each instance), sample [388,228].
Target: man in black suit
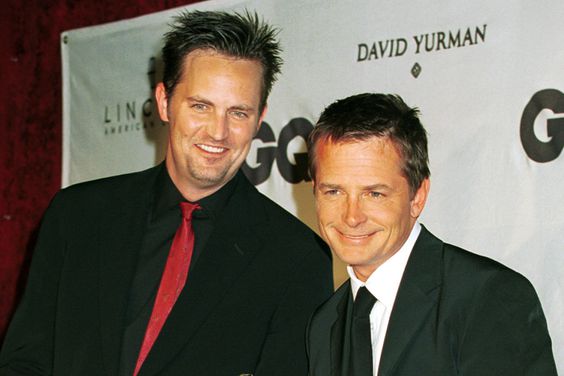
[256,272]
[413,305]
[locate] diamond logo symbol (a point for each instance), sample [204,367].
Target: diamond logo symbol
[416,70]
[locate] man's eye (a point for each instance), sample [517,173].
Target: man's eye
[332,192]
[199,107]
[239,114]
[374,194]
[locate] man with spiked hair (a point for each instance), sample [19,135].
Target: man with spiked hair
[414,305]
[185,268]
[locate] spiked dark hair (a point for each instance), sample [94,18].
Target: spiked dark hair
[239,35]
[363,116]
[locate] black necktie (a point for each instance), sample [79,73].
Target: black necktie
[361,346]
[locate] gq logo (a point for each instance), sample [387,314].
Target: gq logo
[539,150]
[266,155]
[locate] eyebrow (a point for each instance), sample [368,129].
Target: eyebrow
[199,99]
[376,187]
[329,186]
[372,187]
[240,107]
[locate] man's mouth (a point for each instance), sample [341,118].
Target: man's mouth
[211,149]
[355,237]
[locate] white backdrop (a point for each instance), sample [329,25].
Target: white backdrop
[488,78]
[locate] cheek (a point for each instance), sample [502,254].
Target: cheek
[184,128]
[323,225]
[176,134]
[246,140]
[327,212]
[244,134]
[383,212]
[240,142]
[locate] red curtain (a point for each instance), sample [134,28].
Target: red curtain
[31,119]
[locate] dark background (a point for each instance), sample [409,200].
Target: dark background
[31,119]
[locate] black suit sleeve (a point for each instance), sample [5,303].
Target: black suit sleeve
[506,331]
[284,349]
[28,346]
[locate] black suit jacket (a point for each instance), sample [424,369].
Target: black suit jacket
[455,313]
[243,311]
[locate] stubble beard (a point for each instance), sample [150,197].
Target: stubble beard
[208,176]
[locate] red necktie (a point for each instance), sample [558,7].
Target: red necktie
[172,281]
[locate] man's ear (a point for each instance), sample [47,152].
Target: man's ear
[419,199]
[261,117]
[162,101]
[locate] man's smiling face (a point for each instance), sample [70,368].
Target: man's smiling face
[213,115]
[364,206]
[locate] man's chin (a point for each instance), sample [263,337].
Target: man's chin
[209,179]
[353,255]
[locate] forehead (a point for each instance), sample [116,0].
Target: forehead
[366,159]
[214,76]
[209,60]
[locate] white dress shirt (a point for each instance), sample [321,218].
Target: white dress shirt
[383,283]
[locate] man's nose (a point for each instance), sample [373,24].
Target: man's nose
[354,214]
[218,128]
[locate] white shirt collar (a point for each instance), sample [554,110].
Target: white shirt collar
[384,282]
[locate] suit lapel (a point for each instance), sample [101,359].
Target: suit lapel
[415,300]
[229,250]
[340,333]
[120,240]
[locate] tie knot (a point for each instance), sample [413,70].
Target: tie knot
[187,209]
[363,302]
